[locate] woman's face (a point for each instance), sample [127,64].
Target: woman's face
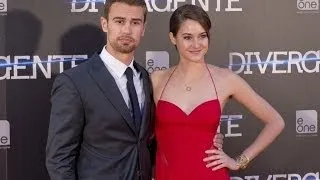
[191,41]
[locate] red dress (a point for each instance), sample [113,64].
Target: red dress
[182,140]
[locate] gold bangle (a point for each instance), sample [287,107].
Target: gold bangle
[242,161]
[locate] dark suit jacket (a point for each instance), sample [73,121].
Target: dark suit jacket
[91,134]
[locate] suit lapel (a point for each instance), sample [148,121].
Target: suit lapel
[146,109]
[108,86]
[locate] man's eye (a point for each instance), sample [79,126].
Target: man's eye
[119,21]
[136,23]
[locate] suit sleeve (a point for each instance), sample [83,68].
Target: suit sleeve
[65,129]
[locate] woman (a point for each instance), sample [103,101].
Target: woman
[190,98]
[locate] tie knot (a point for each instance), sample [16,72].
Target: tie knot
[129,73]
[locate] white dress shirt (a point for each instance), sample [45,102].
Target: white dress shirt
[117,69]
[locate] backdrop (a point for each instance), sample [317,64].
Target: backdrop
[274,45]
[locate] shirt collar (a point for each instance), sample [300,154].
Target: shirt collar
[116,65]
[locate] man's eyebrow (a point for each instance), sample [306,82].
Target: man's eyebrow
[123,18]
[116,18]
[136,19]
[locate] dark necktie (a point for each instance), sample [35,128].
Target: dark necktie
[136,113]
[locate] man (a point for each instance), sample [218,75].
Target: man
[101,118]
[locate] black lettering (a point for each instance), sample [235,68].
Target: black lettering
[1,6]
[3,140]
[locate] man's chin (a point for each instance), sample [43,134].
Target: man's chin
[123,48]
[126,50]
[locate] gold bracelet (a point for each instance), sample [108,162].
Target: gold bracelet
[242,161]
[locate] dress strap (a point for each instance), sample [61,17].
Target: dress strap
[214,85]
[167,82]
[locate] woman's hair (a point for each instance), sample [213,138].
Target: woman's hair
[191,12]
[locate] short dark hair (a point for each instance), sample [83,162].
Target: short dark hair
[140,3]
[191,12]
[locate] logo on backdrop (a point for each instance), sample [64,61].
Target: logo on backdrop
[307,122]
[4,133]
[277,62]
[157,60]
[232,123]
[308,6]
[33,67]
[308,176]
[78,6]
[3,7]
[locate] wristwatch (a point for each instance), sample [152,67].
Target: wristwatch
[242,161]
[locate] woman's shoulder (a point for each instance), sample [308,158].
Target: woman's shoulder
[220,72]
[227,77]
[160,75]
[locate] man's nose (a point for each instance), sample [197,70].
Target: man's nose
[126,28]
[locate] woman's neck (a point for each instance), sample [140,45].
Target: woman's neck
[191,70]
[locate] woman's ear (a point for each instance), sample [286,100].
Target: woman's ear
[172,39]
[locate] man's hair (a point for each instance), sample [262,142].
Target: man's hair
[140,3]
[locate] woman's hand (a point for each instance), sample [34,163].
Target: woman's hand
[217,159]
[218,140]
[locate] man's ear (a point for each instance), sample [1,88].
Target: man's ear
[144,28]
[104,24]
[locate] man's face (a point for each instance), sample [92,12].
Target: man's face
[124,27]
